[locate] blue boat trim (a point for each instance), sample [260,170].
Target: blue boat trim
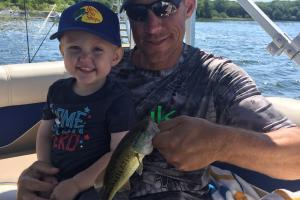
[16,120]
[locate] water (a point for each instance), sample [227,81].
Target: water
[13,44]
[243,42]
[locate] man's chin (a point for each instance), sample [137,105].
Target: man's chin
[156,45]
[156,51]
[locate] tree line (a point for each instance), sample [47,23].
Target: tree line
[276,10]
[209,9]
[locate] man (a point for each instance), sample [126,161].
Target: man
[226,119]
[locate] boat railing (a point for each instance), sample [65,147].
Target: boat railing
[281,41]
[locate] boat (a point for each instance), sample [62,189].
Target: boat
[23,89]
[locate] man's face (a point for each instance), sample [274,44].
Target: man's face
[158,38]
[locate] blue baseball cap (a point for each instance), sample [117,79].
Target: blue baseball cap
[92,17]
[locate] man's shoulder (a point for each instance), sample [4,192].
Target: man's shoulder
[195,55]
[210,66]
[200,61]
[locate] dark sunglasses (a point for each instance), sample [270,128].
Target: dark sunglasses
[161,8]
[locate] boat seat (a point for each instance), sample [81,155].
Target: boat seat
[8,191]
[287,106]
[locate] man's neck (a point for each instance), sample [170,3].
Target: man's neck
[144,61]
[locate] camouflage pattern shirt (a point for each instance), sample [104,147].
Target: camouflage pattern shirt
[200,85]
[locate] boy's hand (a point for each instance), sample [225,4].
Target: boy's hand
[65,190]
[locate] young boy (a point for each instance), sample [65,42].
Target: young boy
[86,115]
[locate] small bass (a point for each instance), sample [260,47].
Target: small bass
[127,157]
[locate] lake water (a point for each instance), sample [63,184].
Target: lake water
[243,42]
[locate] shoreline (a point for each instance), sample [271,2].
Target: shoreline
[16,13]
[8,17]
[9,13]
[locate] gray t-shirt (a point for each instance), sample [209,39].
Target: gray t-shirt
[200,85]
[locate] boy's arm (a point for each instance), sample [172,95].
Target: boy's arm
[43,141]
[86,178]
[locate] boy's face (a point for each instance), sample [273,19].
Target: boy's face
[88,58]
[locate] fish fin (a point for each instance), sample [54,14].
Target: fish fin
[140,168]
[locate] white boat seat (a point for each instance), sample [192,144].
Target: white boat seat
[287,106]
[8,191]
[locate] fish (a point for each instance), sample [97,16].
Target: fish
[127,157]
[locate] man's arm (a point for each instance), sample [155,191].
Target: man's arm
[31,181]
[192,143]
[43,140]
[276,153]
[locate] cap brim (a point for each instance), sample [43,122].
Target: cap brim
[55,35]
[103,36]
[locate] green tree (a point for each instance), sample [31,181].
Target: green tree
[200,8]
[207,9]
[276,10]
[277,14]
[234,10]
[220,6]
[298,15]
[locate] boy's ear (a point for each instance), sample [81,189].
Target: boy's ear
[61,49]
[118,55]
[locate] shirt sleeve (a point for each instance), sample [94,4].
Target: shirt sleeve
[47,113]
[241,103]
[122,114]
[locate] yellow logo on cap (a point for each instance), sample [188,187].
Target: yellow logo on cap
[89,14]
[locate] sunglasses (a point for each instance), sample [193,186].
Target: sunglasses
[161,8]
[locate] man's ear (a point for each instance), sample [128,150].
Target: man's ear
[118,55]
[190,5]
[61,49]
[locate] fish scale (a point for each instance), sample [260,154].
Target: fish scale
[128,156]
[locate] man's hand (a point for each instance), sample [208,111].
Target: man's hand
[66,190]
[189,143]
[39,177]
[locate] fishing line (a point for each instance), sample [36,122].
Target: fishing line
[42,42]
[27,36]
